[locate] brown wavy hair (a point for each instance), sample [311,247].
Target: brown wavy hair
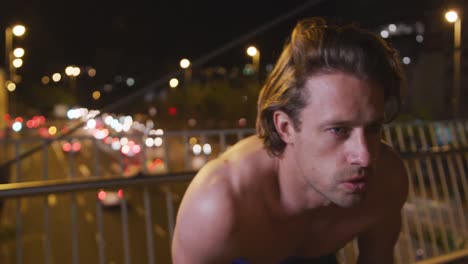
[317,46]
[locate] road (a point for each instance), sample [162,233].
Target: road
[73,219]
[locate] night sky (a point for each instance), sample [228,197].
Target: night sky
[148,38]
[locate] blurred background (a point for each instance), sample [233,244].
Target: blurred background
[108,109]
[119,48]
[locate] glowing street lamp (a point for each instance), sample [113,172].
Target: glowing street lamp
[255,54]
[18,52]
[73,72]
[185,64]
[453,17]
[12,62]
[10,32]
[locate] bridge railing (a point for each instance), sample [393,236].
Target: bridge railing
[434,217]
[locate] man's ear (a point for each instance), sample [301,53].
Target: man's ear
[284,126]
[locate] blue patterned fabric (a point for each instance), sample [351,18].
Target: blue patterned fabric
[328,259]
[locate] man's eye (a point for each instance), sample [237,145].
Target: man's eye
[340,131]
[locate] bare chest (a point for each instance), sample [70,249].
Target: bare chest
[272,241]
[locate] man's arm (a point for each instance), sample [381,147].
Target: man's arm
[377,244]
[204,230]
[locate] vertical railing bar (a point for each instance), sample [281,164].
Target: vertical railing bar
[148,223]
[100,233]
[463,142]
[222,141]
[165,146]
[453,179]
[96,157]
[432,183]
[121,163]
[186,151]
[170,213]
[463,133]
[74,215]
[99,225]
[144,157]
[240,135]
[434,189]
[19,222]
[203,142]
[388,137]
[422,190]
[125,233]
[45,177]
[441,172]
[459,141]
[411,194]
[404,218]
[406,231]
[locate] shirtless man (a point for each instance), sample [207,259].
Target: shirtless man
[317,174]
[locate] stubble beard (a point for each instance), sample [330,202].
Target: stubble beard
[340,196]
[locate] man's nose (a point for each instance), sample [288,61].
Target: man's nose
[360,154]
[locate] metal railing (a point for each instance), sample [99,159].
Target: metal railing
[434,217]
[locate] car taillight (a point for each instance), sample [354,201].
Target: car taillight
[76,146]
[66,147]
[102,195]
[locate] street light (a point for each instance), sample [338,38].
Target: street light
[12,61]
[185,64]
[10,32]
[453,17]
[73,72]
[255,54]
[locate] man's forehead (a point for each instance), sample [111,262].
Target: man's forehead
[340,98]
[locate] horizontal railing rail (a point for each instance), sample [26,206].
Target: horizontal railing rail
[41,188]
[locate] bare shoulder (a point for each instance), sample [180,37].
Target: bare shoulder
[207,227]
[206,218]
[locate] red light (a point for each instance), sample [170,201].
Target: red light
[42,119]
[6,117]
[120,193]
[102,195]
[19,119]
[43,132]
[76,146]
[172,111]
[158,161]
[66,147]
[30,124]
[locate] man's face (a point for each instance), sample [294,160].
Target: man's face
[339,138]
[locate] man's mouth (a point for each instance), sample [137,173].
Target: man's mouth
[356,184]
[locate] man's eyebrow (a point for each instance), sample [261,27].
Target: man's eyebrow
[339,122]
[336,122]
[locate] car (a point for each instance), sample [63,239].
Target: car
[110,198]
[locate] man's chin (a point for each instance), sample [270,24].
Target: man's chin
[350,201]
